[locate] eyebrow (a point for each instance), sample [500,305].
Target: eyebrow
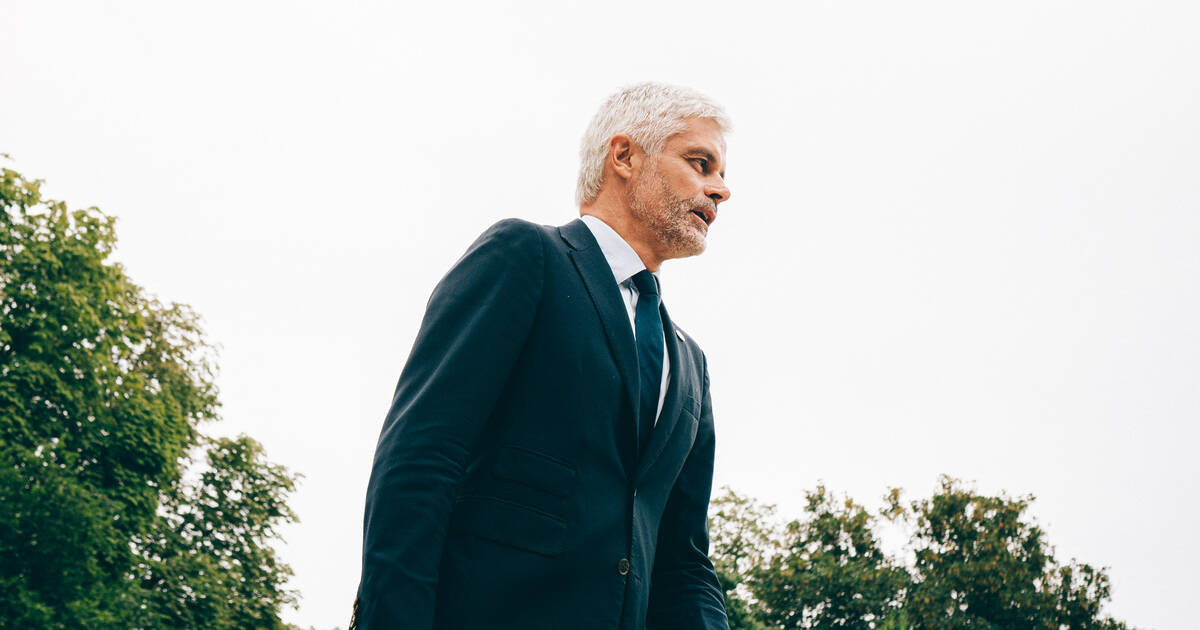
[706,154]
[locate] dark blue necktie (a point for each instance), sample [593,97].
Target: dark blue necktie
[649,333]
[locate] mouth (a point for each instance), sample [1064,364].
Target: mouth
[707,215]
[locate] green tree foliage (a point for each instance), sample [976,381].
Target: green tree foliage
[976,562]
[980,563]
[102,389]
[208,562]
[832,573]
[743,537]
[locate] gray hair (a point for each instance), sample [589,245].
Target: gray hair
[649,113]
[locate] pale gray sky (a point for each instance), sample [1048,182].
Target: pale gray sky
[964,237]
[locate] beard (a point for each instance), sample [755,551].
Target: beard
[668,219]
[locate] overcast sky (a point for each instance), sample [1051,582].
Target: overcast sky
[964,237]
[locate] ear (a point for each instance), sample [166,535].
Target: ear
[623,155]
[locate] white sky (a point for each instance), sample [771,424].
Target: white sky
[964,237]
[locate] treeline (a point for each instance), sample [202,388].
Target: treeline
[971,562]
[102,393]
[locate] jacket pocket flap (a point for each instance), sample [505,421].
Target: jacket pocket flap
[533,469]
[510,524]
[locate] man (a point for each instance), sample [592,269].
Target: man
[547,460]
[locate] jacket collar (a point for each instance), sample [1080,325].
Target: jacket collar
[621,257]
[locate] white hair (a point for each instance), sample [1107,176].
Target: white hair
[649,113]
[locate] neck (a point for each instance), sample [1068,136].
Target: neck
[615,212]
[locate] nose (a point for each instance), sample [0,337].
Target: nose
[717,191]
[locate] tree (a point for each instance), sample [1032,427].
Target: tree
[832,573]
[208,563]
[981,563]
[977,562]
[102,391]
[743,537]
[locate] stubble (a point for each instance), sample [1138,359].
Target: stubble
[668,218]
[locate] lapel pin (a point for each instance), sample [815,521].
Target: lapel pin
[679,334]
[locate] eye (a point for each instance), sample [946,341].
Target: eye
[702,163]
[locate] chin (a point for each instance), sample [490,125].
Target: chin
[689,245]
[698,240]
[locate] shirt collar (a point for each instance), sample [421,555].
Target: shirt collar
[621,258]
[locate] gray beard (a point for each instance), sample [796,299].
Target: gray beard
[671,222]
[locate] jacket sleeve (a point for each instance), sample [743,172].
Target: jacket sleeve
[685,593]
[475,325]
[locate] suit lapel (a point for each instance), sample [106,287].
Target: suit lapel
[679,386]
[597,277]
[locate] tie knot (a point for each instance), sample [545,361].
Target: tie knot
[645,282]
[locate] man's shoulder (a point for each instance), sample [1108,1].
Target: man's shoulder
[514,228]
[511,237]
[518,233]
[514,225]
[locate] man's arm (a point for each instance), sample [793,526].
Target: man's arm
[685,593]
[474,328]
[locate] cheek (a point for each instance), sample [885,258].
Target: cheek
[689,188]
[680,188]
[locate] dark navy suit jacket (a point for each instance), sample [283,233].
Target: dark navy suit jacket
[508,489]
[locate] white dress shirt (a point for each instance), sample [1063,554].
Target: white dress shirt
[624,263]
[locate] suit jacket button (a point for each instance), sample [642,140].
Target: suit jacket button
[623,566]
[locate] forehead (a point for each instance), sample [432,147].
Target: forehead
[699,133]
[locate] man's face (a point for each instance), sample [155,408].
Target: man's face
[673,197]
